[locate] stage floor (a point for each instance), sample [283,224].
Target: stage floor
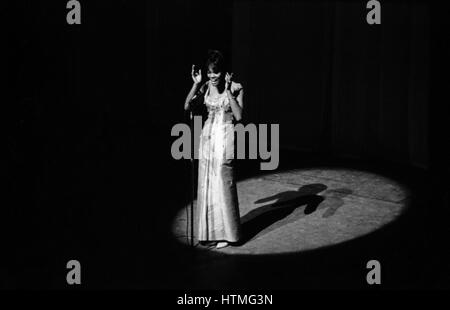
[305,209]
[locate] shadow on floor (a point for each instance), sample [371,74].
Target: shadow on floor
[261,220]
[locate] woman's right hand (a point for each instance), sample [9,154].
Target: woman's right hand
[196,76]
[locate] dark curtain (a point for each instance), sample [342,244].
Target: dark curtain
[337,85]
[74,119]
[89,169]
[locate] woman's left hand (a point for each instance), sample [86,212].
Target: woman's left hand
[228,79]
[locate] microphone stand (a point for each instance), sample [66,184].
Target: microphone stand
[192,174]
[191,124]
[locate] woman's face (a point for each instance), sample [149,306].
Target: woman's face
[214,77]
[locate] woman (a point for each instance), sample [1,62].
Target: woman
[217,201]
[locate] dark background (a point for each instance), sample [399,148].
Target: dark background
[90,107]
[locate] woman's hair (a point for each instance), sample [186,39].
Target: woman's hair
[215,61]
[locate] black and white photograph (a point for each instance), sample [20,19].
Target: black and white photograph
[225,151]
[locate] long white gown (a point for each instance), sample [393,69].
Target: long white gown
[217,200]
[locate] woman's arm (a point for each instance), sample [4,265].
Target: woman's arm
[196,78]
[236,103]
[190,96]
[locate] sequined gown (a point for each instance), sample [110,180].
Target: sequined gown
[217,200]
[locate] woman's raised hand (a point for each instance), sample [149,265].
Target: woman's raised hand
[228,79]
[196,76]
